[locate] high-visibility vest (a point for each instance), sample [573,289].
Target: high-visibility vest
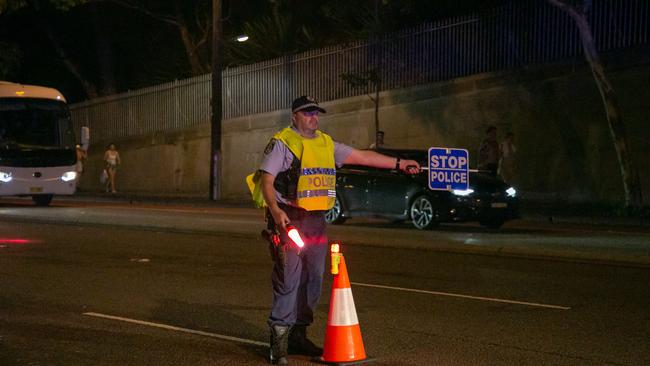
[316,188]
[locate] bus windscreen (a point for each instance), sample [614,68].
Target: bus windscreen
[29,124]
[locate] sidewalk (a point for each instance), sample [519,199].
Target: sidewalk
[582,214]
[153,199]
[594,237]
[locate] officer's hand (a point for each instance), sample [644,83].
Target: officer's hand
[409,166]
[280,217]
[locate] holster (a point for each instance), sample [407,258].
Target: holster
[276,247]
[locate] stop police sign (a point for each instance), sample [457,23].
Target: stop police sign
[448,168]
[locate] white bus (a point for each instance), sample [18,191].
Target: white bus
[37,143]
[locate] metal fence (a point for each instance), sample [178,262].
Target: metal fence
[519,33]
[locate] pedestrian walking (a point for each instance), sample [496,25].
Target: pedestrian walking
[379,141]
[79,166]
[508,162]
[111,160]
[488,152]
[297,182]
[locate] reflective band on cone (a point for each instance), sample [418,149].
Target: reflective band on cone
[343,342]
[343,312]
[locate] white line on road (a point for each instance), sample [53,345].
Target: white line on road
[463,296]
[178,329]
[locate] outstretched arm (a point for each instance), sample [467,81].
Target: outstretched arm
[377,160]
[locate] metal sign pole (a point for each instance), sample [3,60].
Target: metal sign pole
[469,170]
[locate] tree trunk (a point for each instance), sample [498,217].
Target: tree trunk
[377,86]
[89,88]
[190,47]
[177,19]
[216,163]
[629,174]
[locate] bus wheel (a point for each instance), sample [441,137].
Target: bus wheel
[42,199]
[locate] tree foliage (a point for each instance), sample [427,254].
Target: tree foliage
[154,41]
[10,58]
[190,19]
[270,36]
[12,5]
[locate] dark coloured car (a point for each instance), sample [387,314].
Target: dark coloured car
[391,194]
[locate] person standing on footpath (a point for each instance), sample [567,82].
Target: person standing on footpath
[79,166]
[508,165]
[488,152]
[111,160]
[297,180]
[379,141]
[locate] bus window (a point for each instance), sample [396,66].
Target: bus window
[34,123]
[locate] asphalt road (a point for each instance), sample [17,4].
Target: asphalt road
[120,284]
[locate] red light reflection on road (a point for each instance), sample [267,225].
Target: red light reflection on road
[14,241]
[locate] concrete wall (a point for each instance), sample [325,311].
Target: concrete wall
[564,147]
[175,163]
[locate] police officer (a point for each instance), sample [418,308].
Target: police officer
[297,180]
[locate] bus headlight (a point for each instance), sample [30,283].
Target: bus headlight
[68,176]
[511,192]
[5,177]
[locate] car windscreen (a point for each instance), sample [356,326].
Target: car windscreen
[28,124]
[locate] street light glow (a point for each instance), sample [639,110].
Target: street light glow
[242,38]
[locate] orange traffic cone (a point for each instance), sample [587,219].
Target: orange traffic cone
[343,343]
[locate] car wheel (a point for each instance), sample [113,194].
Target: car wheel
[335,214]
[493,223]
[422,213]
[42,200]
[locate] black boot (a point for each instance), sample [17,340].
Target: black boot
[279,340]
[300,345]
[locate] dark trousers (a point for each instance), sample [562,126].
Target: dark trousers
[298,282]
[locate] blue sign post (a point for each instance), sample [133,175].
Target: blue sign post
[448,169]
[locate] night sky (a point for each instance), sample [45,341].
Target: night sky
[135,49]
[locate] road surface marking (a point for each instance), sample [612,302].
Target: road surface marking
[178,329]
[463,296]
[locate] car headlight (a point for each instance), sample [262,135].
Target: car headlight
[68,176]
[462,192]
[5,177]
[511,192]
